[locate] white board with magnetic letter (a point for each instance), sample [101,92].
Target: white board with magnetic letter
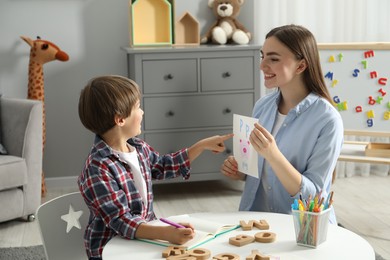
[358,79]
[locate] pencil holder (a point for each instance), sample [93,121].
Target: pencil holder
[311,228]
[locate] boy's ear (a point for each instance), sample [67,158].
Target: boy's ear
[119,120]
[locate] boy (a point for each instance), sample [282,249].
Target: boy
[116,181]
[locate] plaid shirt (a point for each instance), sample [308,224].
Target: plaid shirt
[116,206]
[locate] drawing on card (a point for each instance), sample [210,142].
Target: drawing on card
[243,151]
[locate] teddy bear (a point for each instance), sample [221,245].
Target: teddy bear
[227,29]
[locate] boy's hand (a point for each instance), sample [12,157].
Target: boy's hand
[216,143]
[180,235]
[168,233]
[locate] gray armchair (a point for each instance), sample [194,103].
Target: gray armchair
[21,167]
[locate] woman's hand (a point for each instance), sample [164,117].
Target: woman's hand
[229,168]
[263,142]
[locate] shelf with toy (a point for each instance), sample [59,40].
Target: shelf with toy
[226,29]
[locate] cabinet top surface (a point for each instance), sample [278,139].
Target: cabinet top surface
[190,48]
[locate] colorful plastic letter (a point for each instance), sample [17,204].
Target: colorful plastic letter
[382,92]
[379,100]
[336,99]
[331,59]
[356,72]
[382,81]
[358,109]
[371,101]
[329,75]
[373,74]
[334,82]
[369,54]
[342,106]
[364,62]
[386,115]
[370,114]
[340,57]
[370,122]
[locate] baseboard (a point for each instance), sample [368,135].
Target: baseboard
[61,182]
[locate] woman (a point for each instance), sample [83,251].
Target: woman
[299,133]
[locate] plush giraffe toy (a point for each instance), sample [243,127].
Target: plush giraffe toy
[41,52]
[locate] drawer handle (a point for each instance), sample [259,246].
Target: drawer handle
[170,113]
[227,111]
[226,75]
[169,76]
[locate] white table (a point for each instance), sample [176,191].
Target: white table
[340,243]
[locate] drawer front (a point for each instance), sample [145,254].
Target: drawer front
[195,111]
[169,76]
[172,142]
[227,73]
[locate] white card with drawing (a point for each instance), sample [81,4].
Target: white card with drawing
[244,153]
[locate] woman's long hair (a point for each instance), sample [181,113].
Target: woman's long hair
[303,44]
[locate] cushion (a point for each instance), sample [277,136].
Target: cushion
[2,148]
[13,172]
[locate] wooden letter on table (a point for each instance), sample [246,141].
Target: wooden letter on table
[256,255]
[181,257]
[265,237]
[246,226]
[226,256]
[261,224]
[200,253]
[173,250]
[241,240]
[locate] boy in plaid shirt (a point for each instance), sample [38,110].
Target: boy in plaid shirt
[116,181]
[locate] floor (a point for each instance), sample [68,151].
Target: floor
[361,203]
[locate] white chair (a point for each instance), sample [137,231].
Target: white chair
[62,222]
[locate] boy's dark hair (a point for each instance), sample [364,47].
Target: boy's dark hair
[105,97]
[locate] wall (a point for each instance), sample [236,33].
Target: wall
[329,21]
[91,32]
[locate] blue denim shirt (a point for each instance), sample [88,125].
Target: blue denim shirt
[311,138]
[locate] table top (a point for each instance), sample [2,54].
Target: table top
[340,244]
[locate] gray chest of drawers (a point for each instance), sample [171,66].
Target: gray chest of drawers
[189,93]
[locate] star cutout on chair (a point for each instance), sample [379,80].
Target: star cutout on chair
[72,219]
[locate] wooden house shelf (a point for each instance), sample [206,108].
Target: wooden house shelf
[187,30]
[150,22]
